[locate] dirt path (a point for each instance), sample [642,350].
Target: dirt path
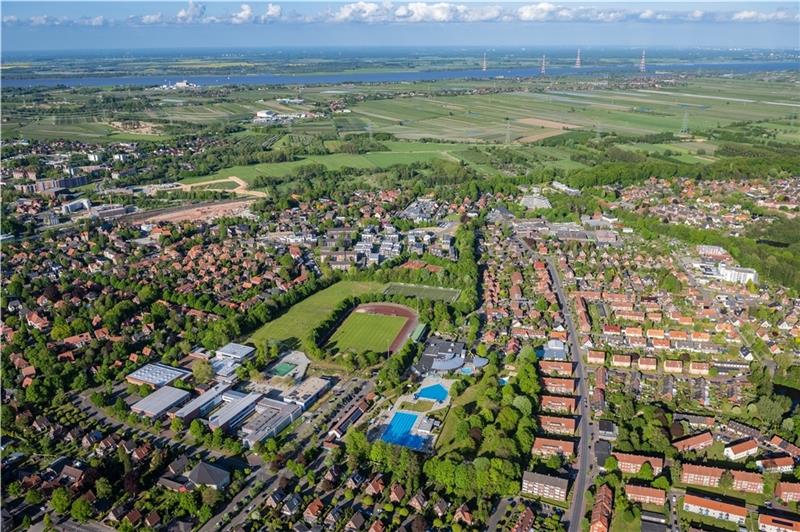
[242,187]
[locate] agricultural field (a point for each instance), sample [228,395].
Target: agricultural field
[530,116]
[307,314]
[434,293]
[363,331]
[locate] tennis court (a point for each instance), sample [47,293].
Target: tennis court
[283,369]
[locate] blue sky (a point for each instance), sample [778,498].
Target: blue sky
[104,25]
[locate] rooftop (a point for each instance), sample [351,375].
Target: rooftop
[157,374]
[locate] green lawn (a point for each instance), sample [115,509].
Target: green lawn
[362,332]
[448,433]
[310,312]
[434,293]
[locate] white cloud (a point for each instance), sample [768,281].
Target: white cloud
[538,12]
[193,13]
[243,16]
[361,12]
[384,11]
[155,18]
[273,12]
[759,16]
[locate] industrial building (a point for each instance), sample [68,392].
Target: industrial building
[203,403]
[156,375]
[232,414]
[308,391]
[236,351]
[158,403]
[272,417]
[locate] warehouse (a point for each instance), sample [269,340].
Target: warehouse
[203,403]
[160,402]
[232,414]
[272,417]
[308,391]
[156,375]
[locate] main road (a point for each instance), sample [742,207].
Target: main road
[582,478]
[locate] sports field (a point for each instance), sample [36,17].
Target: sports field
[434,293]
[363,331]
[307,314]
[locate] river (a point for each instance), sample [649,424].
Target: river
[399,77]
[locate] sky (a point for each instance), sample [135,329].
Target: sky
[104,25]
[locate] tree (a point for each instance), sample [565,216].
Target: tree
[81,511]
[610,464]
[102,488]
[661,483]
[176,425]
[645,472]
[202,371]
[60,500]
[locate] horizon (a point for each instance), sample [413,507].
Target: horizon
[153,25]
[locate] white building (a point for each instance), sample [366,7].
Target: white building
[734,274]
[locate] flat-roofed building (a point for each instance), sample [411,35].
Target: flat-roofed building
[772,523]
[724,511]
[236,351]
[203,403]
[233,414]
[308,391]
[645,494]
[158,403]
[156,375]
[271,417]
[547,486]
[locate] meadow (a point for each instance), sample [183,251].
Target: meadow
[400,153]
[362,331]
[426,292]
[307,314]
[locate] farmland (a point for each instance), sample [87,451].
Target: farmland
[362,331]
[310,312]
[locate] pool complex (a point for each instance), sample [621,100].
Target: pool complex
[399,432]
[436,392]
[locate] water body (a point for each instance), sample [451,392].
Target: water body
[399,77]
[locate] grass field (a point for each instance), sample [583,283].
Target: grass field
[362,332]
[400,153]
[310,312]
[434,293]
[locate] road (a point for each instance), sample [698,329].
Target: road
[582,478]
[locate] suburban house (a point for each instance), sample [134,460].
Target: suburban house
[630,464]
[698,475]
[741,450]
[696,442]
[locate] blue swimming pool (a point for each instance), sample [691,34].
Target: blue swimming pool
[466,371]
[399,432]
[436,392]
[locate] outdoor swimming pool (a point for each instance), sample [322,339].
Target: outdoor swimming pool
[436,392]
[399,432]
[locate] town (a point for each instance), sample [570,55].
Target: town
[312,290]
